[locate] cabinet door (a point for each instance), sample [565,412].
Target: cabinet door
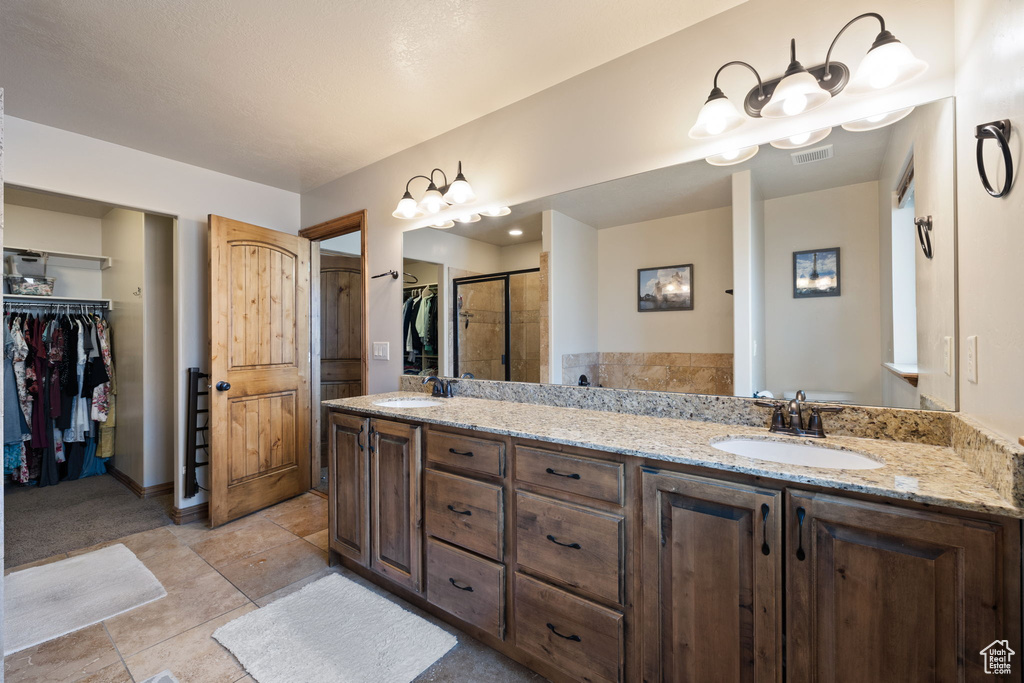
[395,524]
[349,503]
[879,593]
[712,572]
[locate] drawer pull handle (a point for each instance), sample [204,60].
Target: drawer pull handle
[460,512]
[574,546]
[468,589]
[800,554]
[574,638]
[764,529]
[468,454]
[559,474]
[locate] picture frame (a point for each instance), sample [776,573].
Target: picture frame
[665,288]
[817,273]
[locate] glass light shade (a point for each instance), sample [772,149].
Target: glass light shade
[499,211]
[877,121]
[459,192]
[717,116]
[736,156]
[443,225]
[432,201]
[802,139]
[885,66]
[407,208]
[795,94]
[468,218]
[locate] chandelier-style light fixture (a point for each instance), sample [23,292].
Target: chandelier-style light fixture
[436,198]
[887,64]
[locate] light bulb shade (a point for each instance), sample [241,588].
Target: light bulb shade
[443,225]
[802,139]
[736,156]
[407,208]
[885,66]
[432,201]
[468,218]
[795,94]
[877,121]
[717,116]
[497,211]
[459,192]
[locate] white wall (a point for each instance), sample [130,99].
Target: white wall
[521,256]
[58,231]
[826,344]
[349,243]
[631,115]
[704,239]
[158,377]
[50,159]
[990,86]
[748,285]
[572,288]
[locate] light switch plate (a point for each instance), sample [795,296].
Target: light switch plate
[947,355]
[381,350]
[972,359]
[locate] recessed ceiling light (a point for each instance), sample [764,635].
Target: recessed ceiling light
[515,233]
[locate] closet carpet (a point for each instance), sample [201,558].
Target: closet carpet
[48,521]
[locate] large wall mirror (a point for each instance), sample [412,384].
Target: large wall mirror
[825,262]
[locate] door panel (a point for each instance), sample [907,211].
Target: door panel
[259,303]
[712,603]
[395,478]
[341,336]
[348,497]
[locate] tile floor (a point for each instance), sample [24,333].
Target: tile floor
[212,577]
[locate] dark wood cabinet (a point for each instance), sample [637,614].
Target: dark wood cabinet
[711,575]
[883,593]
[396,548]
[348,494]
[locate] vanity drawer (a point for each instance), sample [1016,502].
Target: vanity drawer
[597,479]
[571,544]
[465,512]
[466,586]
[580,637]
[466,452]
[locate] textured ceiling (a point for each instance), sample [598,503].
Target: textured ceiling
[295,94]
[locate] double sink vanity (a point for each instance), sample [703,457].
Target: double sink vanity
[593,545]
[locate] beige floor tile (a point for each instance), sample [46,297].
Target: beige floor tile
[192,532]
[246,679]
[293,587]
[189,603]
[37,563]
[302,516]
[67,658]
[115,673]
[144,544]
[319,539]
[275,568]
[193,656]
[241,539]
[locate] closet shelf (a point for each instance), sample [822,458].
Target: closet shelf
[104,261]
[28,298]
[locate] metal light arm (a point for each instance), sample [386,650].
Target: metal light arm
[427,178]
[883,38]
[760,85]
[443,174]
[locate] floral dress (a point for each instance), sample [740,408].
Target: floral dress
[101,394]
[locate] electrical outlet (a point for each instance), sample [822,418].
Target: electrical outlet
[947,355]
[381,350]
[972,359]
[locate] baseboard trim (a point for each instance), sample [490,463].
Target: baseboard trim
[190,514]
[140,491]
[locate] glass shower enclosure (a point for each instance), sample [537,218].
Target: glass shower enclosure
[497,326]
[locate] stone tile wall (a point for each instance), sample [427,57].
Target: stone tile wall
[692,373]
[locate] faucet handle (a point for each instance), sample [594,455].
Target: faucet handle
[778,419]
[768,404]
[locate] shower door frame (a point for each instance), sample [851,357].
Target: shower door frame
[489,277]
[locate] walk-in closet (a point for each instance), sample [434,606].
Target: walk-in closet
[422,303]
[88,383]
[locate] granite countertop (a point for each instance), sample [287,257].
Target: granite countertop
[926,474]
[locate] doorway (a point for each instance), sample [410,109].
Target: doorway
[338,323]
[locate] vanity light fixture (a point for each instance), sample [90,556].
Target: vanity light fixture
[877,121]
[735,156]
[497,211]
[443,225]
[436,198]
[515,232]
[888,63]
[802,139]
[468,218]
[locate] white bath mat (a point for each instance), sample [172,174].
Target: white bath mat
[43,603]
[164,676]
[334,630]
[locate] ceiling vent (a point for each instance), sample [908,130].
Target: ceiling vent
[809,156]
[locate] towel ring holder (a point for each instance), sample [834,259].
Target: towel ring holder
[1000,132]
[924,235]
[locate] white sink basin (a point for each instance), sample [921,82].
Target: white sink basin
[407,402]
[798,454]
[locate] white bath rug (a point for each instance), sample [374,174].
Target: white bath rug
[164,676]
[43,603]
[334,630]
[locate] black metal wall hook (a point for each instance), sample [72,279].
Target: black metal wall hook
[924,235]
[1000,132]
[392,273]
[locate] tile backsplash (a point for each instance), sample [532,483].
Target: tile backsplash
[695,373]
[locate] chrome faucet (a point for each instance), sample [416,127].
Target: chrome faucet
[796,427]
[443,388]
